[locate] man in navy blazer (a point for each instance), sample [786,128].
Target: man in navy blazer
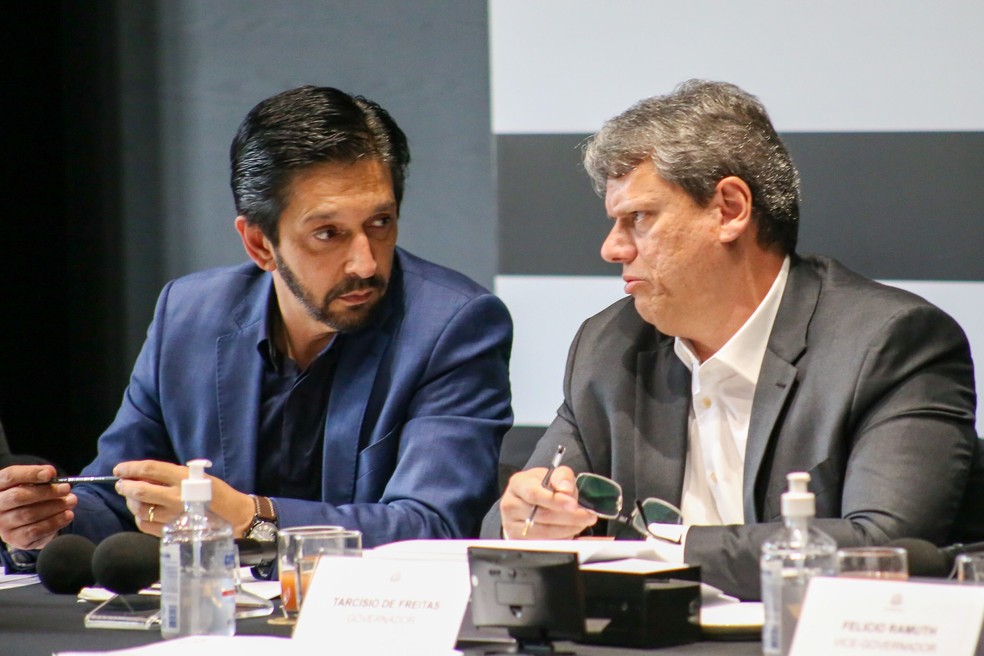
[737,361]
[335,379]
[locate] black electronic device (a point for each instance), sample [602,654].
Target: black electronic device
[538,596]
[253,553]
[925,559]
[656,609]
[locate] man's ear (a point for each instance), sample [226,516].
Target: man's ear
[733,197]
[257,246]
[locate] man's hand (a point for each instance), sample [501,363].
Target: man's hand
[558,516]
[153,494]
[30,514]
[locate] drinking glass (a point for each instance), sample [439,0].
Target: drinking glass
[873,563]
[298,550]
[970,568]
[308,552]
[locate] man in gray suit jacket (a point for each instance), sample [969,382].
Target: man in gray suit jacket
[737,361]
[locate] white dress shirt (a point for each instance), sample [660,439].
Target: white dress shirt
[722,389]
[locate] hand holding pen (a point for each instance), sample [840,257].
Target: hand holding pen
[554,463]
[33,509]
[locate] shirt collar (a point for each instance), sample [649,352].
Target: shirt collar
[266,345]
[743,353]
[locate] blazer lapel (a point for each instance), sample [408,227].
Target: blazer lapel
[662,407]
[351,388]
[237,380]
[777,378]
[355,375]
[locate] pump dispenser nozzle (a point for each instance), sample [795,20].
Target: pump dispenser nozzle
[197,488]
[798,501]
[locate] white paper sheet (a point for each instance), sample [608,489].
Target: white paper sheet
[588,551]
[8,581]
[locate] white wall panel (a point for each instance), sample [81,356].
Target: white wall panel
[564,66]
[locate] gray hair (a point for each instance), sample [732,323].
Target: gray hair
[697,135]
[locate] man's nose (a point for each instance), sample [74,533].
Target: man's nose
[617,247]
[361,262]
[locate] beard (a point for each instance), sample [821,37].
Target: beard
[345,321]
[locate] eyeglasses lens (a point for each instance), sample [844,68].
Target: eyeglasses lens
[656,511]
[599,495]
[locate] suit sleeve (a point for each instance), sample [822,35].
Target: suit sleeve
[910,444]
[562,431]
[444,477]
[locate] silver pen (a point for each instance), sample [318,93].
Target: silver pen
[545,483]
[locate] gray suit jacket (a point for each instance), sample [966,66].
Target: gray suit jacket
[866,387]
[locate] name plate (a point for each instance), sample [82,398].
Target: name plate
[867,616]
[378,606]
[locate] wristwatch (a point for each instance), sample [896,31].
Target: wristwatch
[263,528]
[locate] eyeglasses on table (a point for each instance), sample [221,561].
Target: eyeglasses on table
[603,497]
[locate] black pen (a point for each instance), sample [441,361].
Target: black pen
[74,480]
[545,483]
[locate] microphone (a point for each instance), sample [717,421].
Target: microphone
[926,559]
[255,552]
[65,564]
[128,562]
[955,550]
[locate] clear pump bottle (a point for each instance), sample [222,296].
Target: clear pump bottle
[198,565]
[790,558]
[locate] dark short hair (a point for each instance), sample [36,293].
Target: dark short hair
[302,127]
[697,135]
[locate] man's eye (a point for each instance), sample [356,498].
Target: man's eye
[381,222]
[638,217]
[326,234]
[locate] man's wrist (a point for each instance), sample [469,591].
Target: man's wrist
[18,561]
[263,523]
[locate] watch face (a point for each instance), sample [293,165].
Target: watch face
[263,532]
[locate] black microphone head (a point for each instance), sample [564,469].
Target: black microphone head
[925,558]
[255,552]
[65,564]
[127,562]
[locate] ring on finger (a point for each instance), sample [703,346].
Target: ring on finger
[150,513]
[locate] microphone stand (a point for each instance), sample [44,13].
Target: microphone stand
[249,604]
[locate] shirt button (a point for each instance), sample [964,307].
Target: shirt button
[706,402]
[713,477]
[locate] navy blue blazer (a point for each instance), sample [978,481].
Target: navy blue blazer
[418,406]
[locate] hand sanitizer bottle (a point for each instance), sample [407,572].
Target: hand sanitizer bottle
[790,558]
[198,565]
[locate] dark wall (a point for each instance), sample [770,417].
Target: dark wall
[118,120]
[59,333]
